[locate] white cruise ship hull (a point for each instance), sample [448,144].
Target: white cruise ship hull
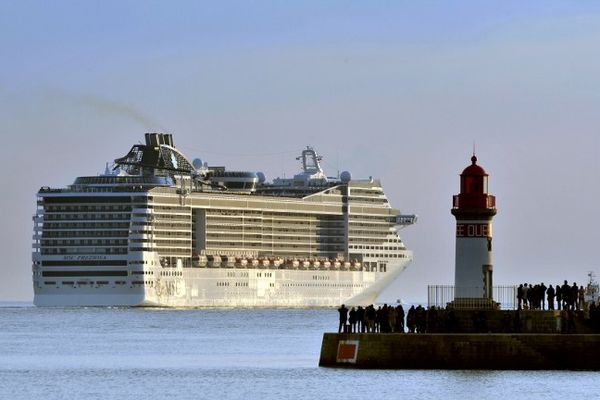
[227,287]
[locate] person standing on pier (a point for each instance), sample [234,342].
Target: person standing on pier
[520,296]
[565,290]
[343,318]
[352,320]
[550,295]
[360,319]
[370,315]
[574,297]
[410,319]
[399,318]
[558,291]
[543,290]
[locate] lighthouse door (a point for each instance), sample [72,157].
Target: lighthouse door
[487,270]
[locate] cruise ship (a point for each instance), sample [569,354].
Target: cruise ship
[158,230]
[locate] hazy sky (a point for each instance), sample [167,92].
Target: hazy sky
[394,89]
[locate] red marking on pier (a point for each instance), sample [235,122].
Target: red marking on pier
[347,351]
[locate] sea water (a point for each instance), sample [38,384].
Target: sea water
[135,353]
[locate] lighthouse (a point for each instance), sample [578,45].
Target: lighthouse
[474,209]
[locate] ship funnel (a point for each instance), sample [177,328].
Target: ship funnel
[156,139]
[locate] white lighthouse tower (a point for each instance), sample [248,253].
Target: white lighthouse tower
[474,209]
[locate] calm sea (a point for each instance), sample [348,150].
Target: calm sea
[122,353]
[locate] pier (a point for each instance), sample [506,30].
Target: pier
[484,351]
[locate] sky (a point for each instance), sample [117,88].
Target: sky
[397,90]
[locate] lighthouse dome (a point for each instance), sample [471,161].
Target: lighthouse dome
[474,169]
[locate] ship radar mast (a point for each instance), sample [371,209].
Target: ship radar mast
[310,161]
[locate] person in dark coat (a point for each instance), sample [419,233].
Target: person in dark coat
[565,290]
[384,323]
[371,315]
[558,292]
[543,290]
[399,318]
[352,320]
[520,297]
[360,319]
[573,296]
[343,317]
[530,296]
[550,296]
[410,319]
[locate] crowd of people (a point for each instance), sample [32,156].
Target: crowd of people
[565,296]
[575,314]
[389,319]
[369,319]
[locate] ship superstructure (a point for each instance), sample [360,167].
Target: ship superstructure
[160,230]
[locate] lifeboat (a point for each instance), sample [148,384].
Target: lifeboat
[346,266]
[337,264]
[255,263]
[199,261]
[213,261]
[241,262]
[290,264]
[227,262]
[327,264]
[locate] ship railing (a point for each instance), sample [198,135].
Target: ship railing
[473,297]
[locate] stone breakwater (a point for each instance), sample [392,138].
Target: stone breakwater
[490,351]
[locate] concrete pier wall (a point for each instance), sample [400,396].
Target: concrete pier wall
[492,351]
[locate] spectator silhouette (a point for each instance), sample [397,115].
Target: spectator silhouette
[352,320]
[542,295]
[399,318]
[360,319]
[410,319]
[520,295]
[550,295]
[565,290]
[343,318]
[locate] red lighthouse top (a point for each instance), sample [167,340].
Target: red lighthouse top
[474,169]
[474,189]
